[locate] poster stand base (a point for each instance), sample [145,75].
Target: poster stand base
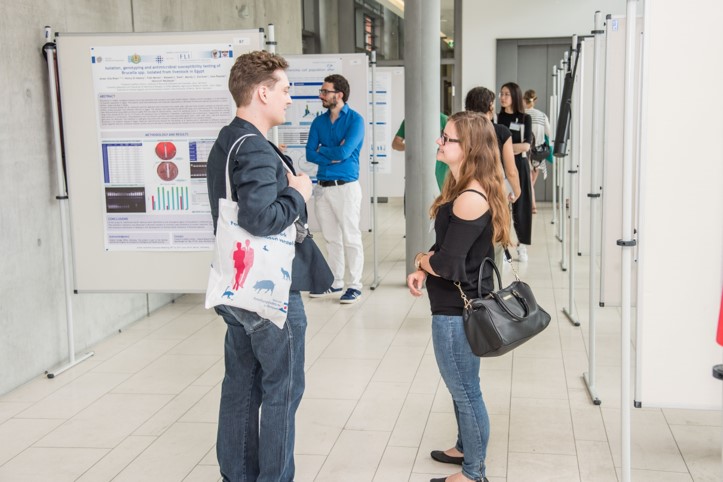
[570,317]
[73,361]
[591,390]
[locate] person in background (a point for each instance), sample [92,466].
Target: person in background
[482,100]
[512,115]
[440,168]
[264,364]
[542,132]
[334,142]
[470,215]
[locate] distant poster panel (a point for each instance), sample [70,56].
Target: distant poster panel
[382,122]
[158,111]
[306,76]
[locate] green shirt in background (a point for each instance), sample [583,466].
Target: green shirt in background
[440,168]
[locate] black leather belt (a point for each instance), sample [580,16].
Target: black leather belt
[331,183]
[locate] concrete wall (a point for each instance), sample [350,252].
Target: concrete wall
[32,303]
[485,22]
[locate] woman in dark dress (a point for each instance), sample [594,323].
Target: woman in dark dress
[470,215]
[482,100]
[512,115]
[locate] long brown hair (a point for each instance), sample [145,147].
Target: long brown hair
[478,142]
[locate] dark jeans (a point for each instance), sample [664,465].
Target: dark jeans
[264,371]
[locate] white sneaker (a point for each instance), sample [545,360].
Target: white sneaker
[522,253]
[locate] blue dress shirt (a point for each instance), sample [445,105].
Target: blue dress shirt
[336,162]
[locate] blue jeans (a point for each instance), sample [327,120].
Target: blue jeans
[460,371]
[264,370]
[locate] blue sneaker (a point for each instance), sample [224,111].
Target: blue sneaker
[330,291]
[351,296]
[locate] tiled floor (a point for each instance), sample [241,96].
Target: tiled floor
[144,408]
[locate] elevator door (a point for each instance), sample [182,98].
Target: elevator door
[528,62]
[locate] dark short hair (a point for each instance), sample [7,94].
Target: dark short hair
[479,99]
[251,70]
[340,84]
[516,94]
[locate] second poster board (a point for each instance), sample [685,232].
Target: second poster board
[306,75]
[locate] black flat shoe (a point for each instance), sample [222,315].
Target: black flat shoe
[440,456]
[444,479]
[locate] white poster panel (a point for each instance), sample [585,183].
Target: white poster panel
[158,108]
[382,122]
[306,76]
[151,147]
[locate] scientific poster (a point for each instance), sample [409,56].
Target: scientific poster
[306,77]
[159,110]
[382,122]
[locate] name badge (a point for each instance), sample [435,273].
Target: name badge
[515,126]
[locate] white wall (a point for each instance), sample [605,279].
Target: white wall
[485,22]
[32,305]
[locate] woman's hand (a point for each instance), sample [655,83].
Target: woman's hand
[415,281]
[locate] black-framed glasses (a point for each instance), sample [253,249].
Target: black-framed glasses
[324,91]
[445,138]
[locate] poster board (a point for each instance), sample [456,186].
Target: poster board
[390,175]
[130,234]
[584,163]
[306,75]
[680,273]
[612,192]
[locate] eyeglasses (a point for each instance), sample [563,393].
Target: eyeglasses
[445,138]
[324,91]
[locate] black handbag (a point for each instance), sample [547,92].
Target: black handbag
[502,320]
[539,153]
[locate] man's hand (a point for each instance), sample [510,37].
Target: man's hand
[302,183]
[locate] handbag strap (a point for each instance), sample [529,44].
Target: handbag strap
[240,141]
[479,277]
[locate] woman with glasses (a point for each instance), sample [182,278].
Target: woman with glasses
[512,115]
[470,215]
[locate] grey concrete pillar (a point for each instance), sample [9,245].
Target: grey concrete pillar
[458,104]
[421,117]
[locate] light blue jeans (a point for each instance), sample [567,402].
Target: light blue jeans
[460,371]
[264,370]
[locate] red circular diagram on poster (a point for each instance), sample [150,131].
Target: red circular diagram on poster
[167,171]
[166,150]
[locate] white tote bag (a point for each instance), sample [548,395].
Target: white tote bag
[250,272]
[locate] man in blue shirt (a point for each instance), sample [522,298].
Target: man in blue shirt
[334,142]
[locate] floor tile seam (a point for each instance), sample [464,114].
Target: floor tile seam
[150,362]
[544,452]
[569,409]
[177,420]
[677,444]
[379,462]
[111,451]
[63,447]
[78,411]
[31,445]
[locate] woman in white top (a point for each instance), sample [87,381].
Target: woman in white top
[540,129]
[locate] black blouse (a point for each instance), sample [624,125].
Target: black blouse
[521,119]
[459,248]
